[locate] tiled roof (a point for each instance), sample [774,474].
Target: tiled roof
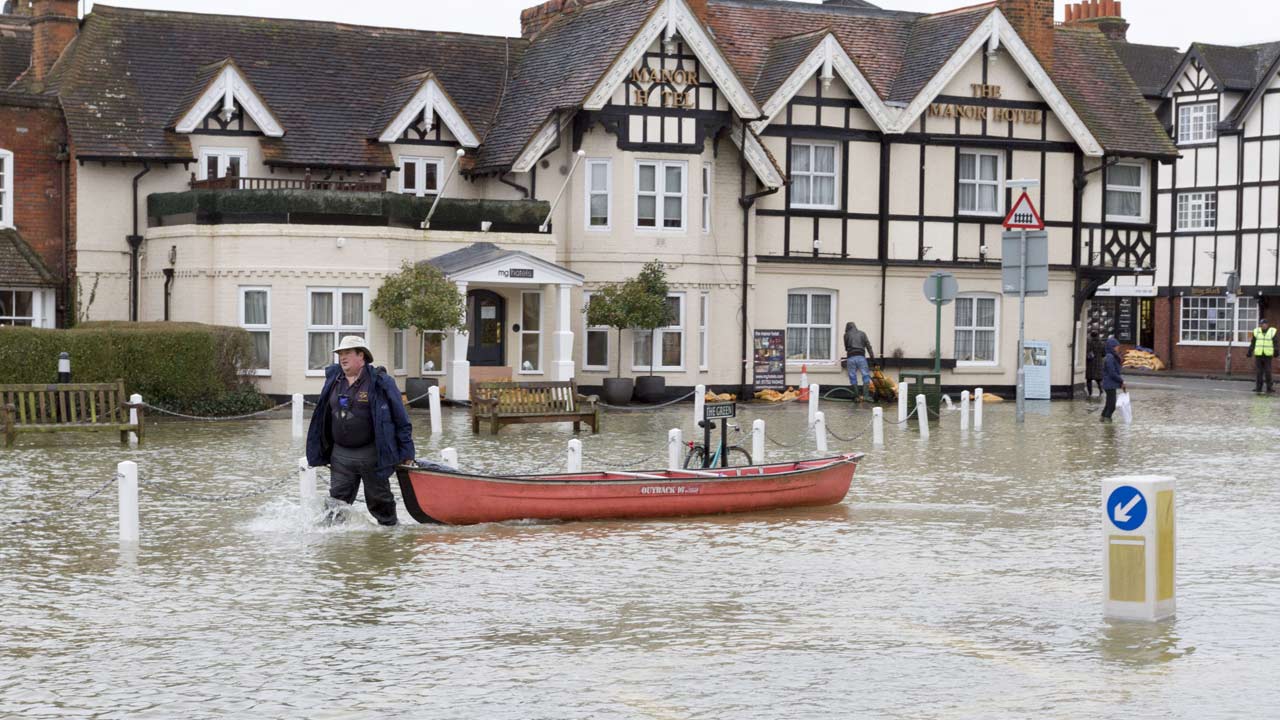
[1150,66]
[19,264]
[135,71]
[15,48]
[1102,93]
[558,70]
[784,55]
[934,39]
[1235,67]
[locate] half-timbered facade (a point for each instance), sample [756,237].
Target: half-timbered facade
[793,166]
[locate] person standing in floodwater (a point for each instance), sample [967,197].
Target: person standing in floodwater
[1095,359]
[857,350]
[1262,346]
[1112,379]
[360,430]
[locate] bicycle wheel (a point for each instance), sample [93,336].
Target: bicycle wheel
[738,456]
[696,457]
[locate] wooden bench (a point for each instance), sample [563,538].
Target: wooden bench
[512,403]
[69,406]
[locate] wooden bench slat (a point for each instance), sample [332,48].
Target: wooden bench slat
[70,406]
[504,403]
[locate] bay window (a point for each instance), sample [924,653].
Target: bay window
[432,352]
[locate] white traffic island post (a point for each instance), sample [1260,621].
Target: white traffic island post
[1139,554]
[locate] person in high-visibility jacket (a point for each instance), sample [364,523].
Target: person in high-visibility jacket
[1263,350]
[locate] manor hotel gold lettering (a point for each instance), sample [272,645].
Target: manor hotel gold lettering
[679,98]
[980,112]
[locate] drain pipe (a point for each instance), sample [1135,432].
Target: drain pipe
[746,201]
[168,284]
[135,244]
[502,178]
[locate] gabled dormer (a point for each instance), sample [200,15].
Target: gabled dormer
[422,106]
[227,103]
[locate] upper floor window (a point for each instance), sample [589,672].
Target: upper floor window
[1197,122]
[813,175]
[977,329]
[221,162]
[420,176]
[979,182]
[6,188]
[810,325]
[1197,211]
[599,194]
[1126,190]
[660,194]
[255,317]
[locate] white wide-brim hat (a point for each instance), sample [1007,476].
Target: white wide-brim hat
[355,342]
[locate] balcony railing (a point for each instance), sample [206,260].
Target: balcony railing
[236,182]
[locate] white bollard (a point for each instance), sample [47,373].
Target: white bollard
[133,439]
[449,457]
[903,392]
[877,426]
[964,409]
[433,402]
[946,400]
[675,447]
[1138,559]
[977,409]
[820,432]
[297,415]
[306,484]
[922,415]
[127,482]
[134,399]
[813,402]
[573,463]
[757,441]
[699,403]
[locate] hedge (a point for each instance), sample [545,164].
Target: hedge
[187,367]
[308,207]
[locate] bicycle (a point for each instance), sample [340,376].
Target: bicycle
[697,455]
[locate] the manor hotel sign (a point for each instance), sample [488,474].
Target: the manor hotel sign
[678,92]
[983,112]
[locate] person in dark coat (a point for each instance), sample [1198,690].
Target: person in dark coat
[1112,379]
[1095,359]
[360,430]
[857,350]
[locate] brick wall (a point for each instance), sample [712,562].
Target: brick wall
[35,136]
[1200,358]
[1033,21]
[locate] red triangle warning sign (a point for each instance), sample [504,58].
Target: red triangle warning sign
[1023,215]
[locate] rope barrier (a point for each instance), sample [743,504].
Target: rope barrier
[80,503]
[628,408]
[221,498]
[215,418]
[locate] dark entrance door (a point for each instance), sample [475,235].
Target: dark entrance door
[486,316]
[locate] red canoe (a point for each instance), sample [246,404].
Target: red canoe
[458,498]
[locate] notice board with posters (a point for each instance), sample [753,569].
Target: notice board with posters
[770,352]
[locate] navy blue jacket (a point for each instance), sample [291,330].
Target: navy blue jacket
[392,432]
[1111,377]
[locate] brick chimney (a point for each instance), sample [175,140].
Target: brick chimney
[1104,14]
[54,24]
[1033,21]
[15,7]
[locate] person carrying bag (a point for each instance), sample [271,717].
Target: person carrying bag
[1113,380]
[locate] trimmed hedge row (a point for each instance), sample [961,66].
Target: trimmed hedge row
[214,207]
[187,367]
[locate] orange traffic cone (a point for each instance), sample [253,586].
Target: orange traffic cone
[804,382]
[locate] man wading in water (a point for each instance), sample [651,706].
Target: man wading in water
[360,430]
[857,348]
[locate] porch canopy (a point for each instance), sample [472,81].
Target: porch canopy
[484,264]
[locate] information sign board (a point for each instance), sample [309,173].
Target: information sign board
[770,353]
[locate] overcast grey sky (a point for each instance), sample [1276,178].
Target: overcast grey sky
[1161,22]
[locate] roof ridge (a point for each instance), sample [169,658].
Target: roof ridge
[116,9]
[990,4]
[806,7]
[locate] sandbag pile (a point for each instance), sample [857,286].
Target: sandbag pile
[771,395]
[1142,359]
[722,397]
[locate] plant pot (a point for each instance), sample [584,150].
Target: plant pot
[651,388]
[416,389]
[617,391]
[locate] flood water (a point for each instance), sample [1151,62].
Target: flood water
[960,578]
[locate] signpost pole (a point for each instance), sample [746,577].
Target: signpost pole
[937,329]
[1022,317]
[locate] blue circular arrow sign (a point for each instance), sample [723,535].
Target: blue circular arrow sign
[1126,508]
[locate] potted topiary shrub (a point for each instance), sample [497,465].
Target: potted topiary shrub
[649,313]
[608,307]
[419,297]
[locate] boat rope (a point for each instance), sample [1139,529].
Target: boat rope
[79,503]
[214,418]
[628,408]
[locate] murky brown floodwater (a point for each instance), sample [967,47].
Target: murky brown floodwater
[960,579]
